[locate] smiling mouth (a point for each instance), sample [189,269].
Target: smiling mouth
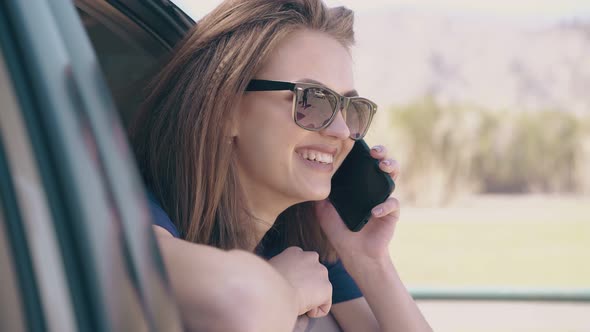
[316,156]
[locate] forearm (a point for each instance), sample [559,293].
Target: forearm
[390,302]
[226,291]
[322,324]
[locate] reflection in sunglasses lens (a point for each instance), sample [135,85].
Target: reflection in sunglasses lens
[315,108]
[357,117]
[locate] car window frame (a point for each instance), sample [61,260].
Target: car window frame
[120,173]
[50,117]
[14,238]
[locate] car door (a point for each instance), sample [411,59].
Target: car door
[75,236]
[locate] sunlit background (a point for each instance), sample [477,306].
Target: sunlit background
[504,9]
[486,104]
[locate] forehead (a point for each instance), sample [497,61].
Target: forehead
[312,55]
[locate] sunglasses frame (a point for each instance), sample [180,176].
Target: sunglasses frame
[298,88]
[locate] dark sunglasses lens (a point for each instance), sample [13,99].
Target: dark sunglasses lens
[315,108]
[358,118]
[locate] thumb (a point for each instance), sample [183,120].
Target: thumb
[320,311]
[329,218]
[313,313]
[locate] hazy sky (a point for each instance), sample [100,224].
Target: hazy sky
[506,9]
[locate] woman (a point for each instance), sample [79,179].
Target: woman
[239,138]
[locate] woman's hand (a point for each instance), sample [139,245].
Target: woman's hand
[371,243]
[365,255]
[308,277]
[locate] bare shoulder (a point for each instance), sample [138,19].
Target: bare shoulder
[161,231]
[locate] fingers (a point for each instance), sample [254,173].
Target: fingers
[388,166]
[325,293]
[313,313]
[320,311]
[293,249]
[378,152]
[308,277]
[389,207]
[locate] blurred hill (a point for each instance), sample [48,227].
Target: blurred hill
[404,55]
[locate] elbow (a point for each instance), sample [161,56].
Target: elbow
[246,312]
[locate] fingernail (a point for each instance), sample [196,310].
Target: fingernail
[386,162]
[377,211]
[378,148]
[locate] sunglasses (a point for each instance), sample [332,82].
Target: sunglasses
[315,106]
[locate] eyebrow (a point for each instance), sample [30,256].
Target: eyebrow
[351,93]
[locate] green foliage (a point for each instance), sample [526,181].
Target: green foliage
[458,149]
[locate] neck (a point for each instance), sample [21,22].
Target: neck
[263,204]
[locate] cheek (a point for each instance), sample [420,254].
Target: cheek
[266,140]
[260,115]
[347,146]
[271,120]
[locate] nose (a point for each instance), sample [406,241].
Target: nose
[338,128]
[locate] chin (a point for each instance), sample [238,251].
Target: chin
[317,194]
[311,189]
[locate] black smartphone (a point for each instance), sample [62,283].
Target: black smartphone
[358,186]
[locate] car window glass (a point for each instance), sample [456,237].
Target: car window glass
[32,202]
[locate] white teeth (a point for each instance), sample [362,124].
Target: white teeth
[317,156]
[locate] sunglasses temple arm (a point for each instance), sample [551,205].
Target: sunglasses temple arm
[265,85]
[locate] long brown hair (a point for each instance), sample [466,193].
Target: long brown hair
[181,135]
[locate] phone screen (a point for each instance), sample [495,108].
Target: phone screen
[358,186]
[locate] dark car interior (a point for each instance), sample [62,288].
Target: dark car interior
[131,39]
